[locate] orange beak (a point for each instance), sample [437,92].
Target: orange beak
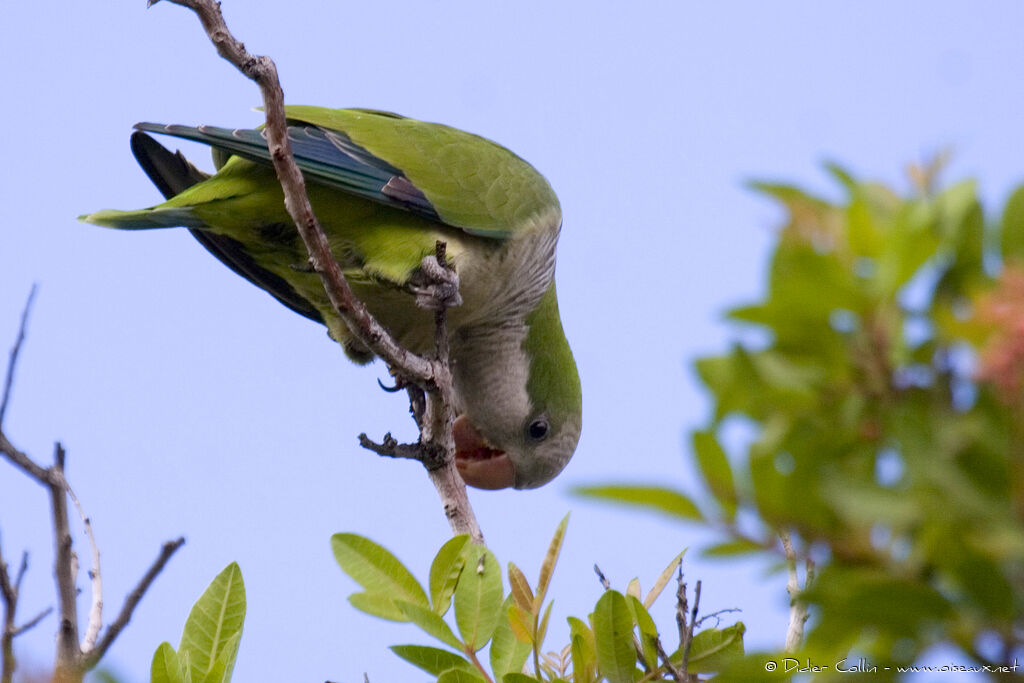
[480,465]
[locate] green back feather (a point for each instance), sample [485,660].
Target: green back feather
[473,183]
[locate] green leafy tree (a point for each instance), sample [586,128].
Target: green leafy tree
[881,422]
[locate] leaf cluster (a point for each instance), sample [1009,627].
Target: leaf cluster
[879,417]
[617,642]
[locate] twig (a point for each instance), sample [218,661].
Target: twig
[717,616]
[432,375]
[390,448]
[601,578]
[9,593]
[677,675]
[33,622]
[131,602]
[797,608]
[681,605]
[92,631]
[12,361]
[65,569]
[690,627]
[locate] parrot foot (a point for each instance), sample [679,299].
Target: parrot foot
[436,287]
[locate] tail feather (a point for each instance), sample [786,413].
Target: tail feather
[172,174]
[145,219]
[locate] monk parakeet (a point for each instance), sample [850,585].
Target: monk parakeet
[385,189]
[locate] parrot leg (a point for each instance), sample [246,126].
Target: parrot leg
[436,287]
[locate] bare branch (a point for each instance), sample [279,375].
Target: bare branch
[263,72]
[690,627]
[92,631]
[391,448]
[681,605]
[166,551]
[432,375]
[797,608]
[65,567]
[676,674]
[15,350]
[9,593]
[717,616]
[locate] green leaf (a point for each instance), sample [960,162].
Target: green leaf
[378,605]
[460,676]
[613,634]
[583,650]
[508,653]
[662,580]
[656,498]
[518,678]
[547,567]
[378,571]
[717,473]
[478,597]
[521,623]
[433,660]
[542,630]
[224,665]
[713,648]
[215,623]
[520,588]
[430,622]
[1012,227]
[445,571]
[732,548]
[166,666]
[648,631]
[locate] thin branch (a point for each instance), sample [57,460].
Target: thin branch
[432,375]
[12,361]
[92,631]
[65,566]
[391,448]
[681,605]
[677,675]
[690,627]
[717,616]
[131,602]
[797,608]
[601,578]
[9,593]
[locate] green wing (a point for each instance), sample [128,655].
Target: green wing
[440,173]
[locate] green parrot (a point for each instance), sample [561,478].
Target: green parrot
[386,188]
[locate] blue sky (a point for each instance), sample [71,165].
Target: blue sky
[193,404]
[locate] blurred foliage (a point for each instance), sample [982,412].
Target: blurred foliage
[617,642]
[880,419]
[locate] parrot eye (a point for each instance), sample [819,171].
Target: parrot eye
[538,429]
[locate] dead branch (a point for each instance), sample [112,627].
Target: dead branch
[9,591]
[436,447]
[73,658]
[798,613]
[15,350]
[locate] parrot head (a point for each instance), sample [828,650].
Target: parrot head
[519,402]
